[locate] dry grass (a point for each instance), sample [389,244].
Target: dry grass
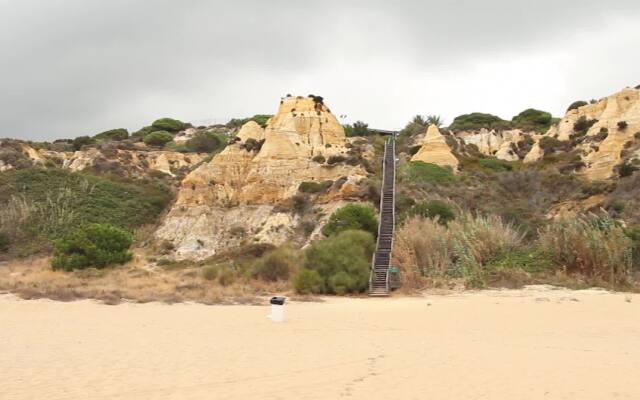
[428,251]
[598,249]
[137,281]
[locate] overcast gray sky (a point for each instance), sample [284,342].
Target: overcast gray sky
[75,67]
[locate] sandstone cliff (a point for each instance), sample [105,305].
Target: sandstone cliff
[610,136]
[247,193]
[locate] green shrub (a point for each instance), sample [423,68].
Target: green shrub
[532,118]
[144,131]
[252,144]
[342,262]
[530,260]
[418,171]
[51,201]
[314,187]
[550,144]
[113,134]
[158,138]
[432,209]
[477,121]
[92,245]
[277,264]
[206,142]
[577,104]
[622,125]
[308,281]
[592,247]
[168,124]
[633,232]
[583,124]
[495,164]
[4,242]
[352,216]
[320,159]
[82,141]
[626,169]
[358,128]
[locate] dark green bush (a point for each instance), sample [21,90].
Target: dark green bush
[532,118]
[622,125]
[113,134]
[583,124]
[252,144]
[82,141]
[633,232]
[158,138]
[434,208]
[626,169]
[336,159]
[358,128]
[477,121]
[4,242]
[352,216]
[577,104]
[319,159]
[418,171]
[342,261]
[144,131]
[168,124]
[495,164]
[92,245]
[206,142]
[308,281]
[550,144]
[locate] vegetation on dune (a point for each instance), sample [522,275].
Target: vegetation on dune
[158,138]
[352,216]
[419,171]
[532,119]
[358,128]
[577,104]
[168,124]
[207,142]
[478,120]
[42,204]
[92,245]
[434,209]
[113,134]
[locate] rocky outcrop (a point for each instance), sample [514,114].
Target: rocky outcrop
[129,163]
[250,186]
[435,150]
[506,145]
[612,125]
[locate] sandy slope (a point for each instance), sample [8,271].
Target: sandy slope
[529,344]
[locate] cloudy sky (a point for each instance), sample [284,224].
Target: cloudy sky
[76,67]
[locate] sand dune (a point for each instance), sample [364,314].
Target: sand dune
[527,344]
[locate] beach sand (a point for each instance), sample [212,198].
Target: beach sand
[535,343]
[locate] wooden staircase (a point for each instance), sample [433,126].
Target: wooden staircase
[379,278]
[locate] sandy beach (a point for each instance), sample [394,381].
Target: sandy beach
[535,343]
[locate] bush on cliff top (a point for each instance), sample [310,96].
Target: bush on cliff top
[113,134]
[168,124]
[93,245]
[577,104]
[532,119]
[206,142]
[158,138]
[352,216]
[477,121]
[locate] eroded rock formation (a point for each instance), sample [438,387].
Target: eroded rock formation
[435,150]
[247,193]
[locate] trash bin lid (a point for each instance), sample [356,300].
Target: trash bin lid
[279,300]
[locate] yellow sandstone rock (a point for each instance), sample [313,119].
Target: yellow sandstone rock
[435,150]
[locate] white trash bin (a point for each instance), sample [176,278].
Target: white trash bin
[277,309]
